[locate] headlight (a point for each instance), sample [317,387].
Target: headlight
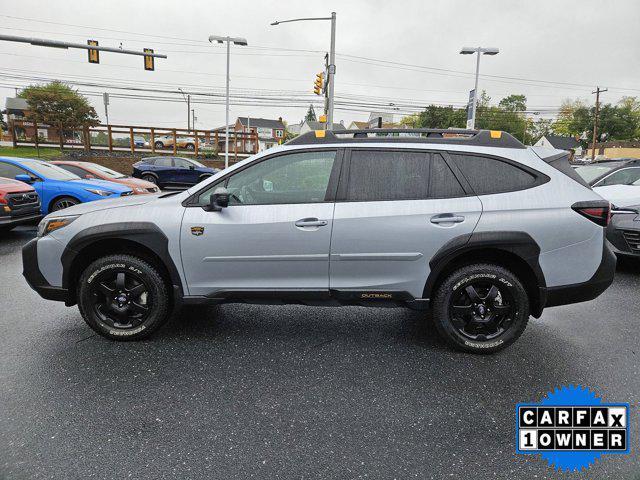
[140,190]
[48,225]
[102,193]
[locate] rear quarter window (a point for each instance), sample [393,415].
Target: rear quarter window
[488,175]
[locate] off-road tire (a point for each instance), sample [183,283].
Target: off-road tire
[460,279]
[144,272]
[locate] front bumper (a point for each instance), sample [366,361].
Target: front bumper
[34,277]
[22,219]
[585,291]
[624,234]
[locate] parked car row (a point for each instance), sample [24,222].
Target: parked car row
[618,181]
[31,188]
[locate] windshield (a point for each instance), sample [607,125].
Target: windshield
[47,170]
[107,171]
[591,172]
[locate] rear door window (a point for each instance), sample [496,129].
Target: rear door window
[381,175]
[488,175]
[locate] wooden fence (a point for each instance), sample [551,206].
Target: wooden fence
[134,138]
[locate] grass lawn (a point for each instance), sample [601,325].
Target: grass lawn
[29,152]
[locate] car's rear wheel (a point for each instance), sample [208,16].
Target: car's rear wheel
[150,178]
[481,308]
[62,203]
[123,297]
[190,146]
[159,145]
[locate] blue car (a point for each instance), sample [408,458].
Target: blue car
[172,172]
[58,188]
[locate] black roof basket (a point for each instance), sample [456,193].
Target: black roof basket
[478,138]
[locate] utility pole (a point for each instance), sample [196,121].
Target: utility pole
[187,98]
[595,121]
[193,122]
[105,99]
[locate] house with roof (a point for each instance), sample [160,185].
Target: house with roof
[308,126]
[270,132]
[17,109]
[570,144]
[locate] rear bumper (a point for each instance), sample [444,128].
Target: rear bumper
[585,291]
[34,277]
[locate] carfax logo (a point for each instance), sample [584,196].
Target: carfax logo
[571,428]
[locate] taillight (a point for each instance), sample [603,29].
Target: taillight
[3,201]
[598,211]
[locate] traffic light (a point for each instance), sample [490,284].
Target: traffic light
[319,84]
[94,55]
[148,59]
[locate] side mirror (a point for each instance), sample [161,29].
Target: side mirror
[218,200]
[23,177]
[192,167]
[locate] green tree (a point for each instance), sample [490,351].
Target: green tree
[311,114]
[58,105]
[514,103]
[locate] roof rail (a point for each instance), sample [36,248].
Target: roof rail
[478,138]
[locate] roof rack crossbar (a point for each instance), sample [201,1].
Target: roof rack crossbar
[479,138]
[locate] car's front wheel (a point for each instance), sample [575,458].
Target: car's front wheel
[481,308]
[190,146]
[62,203]
[123,297]
[159,145]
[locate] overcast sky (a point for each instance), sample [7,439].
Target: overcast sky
[577,44]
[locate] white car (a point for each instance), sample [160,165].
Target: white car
[620,195]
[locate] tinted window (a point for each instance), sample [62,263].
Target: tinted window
[290,178]
[489,175]
[400,175]
[8,170]
[75,170]
[163,162]
[181,162]
[149,161]
[625,176]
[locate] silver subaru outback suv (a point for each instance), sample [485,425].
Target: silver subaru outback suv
[471,225]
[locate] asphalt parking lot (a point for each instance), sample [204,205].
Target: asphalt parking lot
[242,391]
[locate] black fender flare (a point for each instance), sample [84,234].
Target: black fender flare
[145,234]
[520,244]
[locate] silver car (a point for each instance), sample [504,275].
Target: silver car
[471,225]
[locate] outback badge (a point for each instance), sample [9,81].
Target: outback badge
[197,231]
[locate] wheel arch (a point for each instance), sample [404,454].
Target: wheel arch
[58,197]
[140,239]
[515,251]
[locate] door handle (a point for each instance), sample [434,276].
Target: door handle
[311,222]
[447,218]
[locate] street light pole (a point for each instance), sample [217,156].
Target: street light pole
[332,61]
[226,109]
[478,51]
[236,41]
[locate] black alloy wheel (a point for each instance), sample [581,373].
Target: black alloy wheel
[124,297]
[120,299]
[482,310]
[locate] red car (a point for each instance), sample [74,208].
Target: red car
[93,170]
[19,204]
